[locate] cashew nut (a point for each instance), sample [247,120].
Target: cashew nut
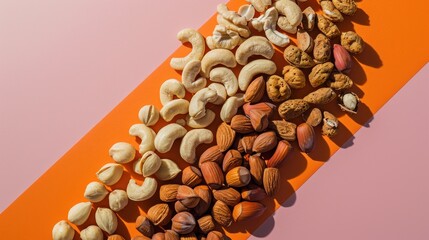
[260,5]
[197,106]
[189,75]
[220,92]
[255,45]
[254,68]
[244,31]
[198,47]
[173,108]
[201,122]
[274,36]
[270,16]
[285,25]
[223,38]
[230,107]
[227,77]
[215,57]
[167,135]
[142,192]
[247,11]
[191,141]
[169,89]
[231,16]
[122,152]
[168,170]
[146,134]
[291,10]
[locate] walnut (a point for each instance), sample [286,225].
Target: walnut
[347,7]
[320,73]
[298,58]
[294,77]
[277,89]
[327,27]
[322,49]
[339,81]
[352,42]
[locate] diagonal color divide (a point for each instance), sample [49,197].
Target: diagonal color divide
[377,79]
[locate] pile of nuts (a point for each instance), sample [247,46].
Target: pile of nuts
[228,181]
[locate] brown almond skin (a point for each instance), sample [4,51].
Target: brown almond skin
[247,142]
[179,207]
[231,160]
[271,181]
[247,210]
[222,214]
[205,194]
[285,130]
[212,174]
[212,154]
[206,224]
[183,223]
[191,176]
[159,214]
[293,108]
[189,236]
[168,192]
[215,235]
[255,91]
[230,196]
[257,166]
[137,238]
[144,226]
[266,107]
[158,236]
[225,136]
[315,117]
[259,120]
[282,150]
[305,135]
[253,193]
[187,196]
[241,124]
[265,142]
[171,235]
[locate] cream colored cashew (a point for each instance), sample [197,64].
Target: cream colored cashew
[220,92]
[255,45]
[254,68]
[167,135]
[247,11]
[285,25]
[230,107]
[291,10]
[227,77]
[197,106]
[243,31]
[260,5]
[223,38]
[270,22]
[142,192]
[198,47]
[216,57]
[169,89]
[191,141]
[189,77]
[231,16]
[146,134]
[201,122]
[270,15]
[173,108]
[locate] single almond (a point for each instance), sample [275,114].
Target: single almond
[205,195]
[266,107]
[247,210]
[231,160]
[222,214]
[255,91]
[241,124]
[253,193]
[225,136]
[189,236]
[230,196]
[257,166]
[168,192]
[191,176]
[212,174]
[259,120]
[159,214]
[283,148]
[212,154]
[206,224]
[305,135]
[265,142]
[271,180]
[187,196]
[238,177]
[215,235]
[179,207]
[247,142]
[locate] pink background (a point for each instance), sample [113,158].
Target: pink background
[65,64]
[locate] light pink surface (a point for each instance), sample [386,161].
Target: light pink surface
[375,189]
[65,64]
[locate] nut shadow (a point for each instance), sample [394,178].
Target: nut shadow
[345,138]
[357,74]
[360,17]
[365,116]
[369,57]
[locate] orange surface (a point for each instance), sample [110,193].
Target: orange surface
[395,51]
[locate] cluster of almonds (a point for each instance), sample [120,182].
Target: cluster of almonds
[241,170]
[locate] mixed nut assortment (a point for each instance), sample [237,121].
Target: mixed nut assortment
[228,181]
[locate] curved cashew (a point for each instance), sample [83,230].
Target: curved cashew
[167,135]
[168,170]
[285,25]
[220,92]
[197,106]
[146,134]
[215,57]
[269,26]
[270,15]
[260,5]
[173,108]
[198,48]
[291,10]
[231,16]
[252,69]
[201,122]
[169,89]
[230,107]
[223,38]
[255,45]
[189,74]
[142,192]
[247,11]
[191,141]
[227,77]
[244,31]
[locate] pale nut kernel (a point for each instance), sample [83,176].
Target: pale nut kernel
[106,219]
[168,170]
[122,152]
[79,213]
[110,173]
[294,77]
[349,102]
[151,163]
[62,231]
[92,232]
[95,192]
[149,115]
[118,200]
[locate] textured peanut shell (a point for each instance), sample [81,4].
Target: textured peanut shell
[339,81]
[320,73]
[293,108]
[277,89]
[294,77]
[322,49]
[352,42]
[347,7]
[321,96]
[298,58]
[327,27]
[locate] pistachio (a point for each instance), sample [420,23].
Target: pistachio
[95,192]
[106,219]
[110,173]
[149,115]
[79,213]
[118,200]
[92,232]
[168,170]
[62,231]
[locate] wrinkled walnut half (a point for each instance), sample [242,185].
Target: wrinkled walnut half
[277,89]
[327,27]
[320,73]
[293,108]
[322,49]
[294,77]
[286,130]
[339,81]
[347,7]
[352,42]
[298,58]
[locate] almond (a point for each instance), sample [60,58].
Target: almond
[215,235]
[191,176]
[230,196]
[231,160]
[271,180]
[189,236]
[293,108]
[259,120]
[247,142]
[212,154]
[179,207]
[253,193]
[265,142]
[284,129]
[255,91]
[225,136]
[222,214]
[212,175]
[241,124]
[283,148]
[266,107]
[171,235]
[159,214]
[305,134]
[205,195]
[206,224]
[157,236]
[168,192]
[238,177]
[187,196]
[257,166]
[247,210]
